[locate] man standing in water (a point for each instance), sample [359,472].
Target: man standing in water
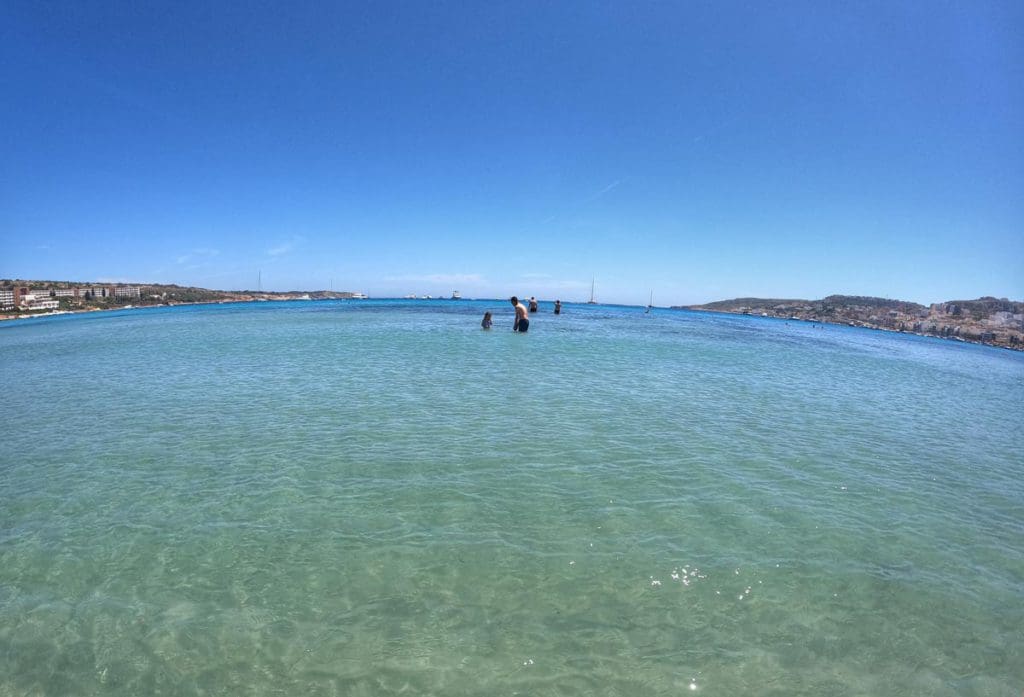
[522,322]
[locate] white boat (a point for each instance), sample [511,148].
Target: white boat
[591,301]
[456,295]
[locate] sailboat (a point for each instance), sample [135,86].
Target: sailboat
[650,304]
[591,301]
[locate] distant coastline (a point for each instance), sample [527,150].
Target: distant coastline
[21,299]
[989,321]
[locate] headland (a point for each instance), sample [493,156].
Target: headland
[987,320]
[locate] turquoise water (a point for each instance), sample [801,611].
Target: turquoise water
[377,498]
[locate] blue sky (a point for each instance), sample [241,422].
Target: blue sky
[701,151]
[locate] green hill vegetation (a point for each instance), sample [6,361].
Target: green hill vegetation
[988,320]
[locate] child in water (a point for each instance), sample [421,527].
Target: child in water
[486,324]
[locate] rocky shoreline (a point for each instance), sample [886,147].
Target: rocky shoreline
[988,321]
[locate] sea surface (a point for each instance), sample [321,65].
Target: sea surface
[379,498]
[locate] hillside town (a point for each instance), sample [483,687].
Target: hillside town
[21,298]
[27,298]
[987,320]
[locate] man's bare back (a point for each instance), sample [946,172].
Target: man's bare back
[522,321]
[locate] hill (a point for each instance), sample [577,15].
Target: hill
[987,320]
[19,297]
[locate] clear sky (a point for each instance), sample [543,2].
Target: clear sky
[699,150]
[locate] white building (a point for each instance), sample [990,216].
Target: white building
[127,292]
[39,301]
[1005,319]
[64,292]
[6,299]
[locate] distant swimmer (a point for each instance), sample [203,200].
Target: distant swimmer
[533,304]
[522,322]
[486,323]
[558,307]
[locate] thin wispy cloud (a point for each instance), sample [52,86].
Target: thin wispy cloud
[550,282]
[291,244]
[572,208]
[610,187]
[200,253]
[714,131]
[570,285]
[439,278]
[280,249]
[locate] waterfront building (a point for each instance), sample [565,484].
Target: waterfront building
[127,292]
[39,300]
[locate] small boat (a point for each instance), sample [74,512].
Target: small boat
[650,304]
[591,301]
[456,295]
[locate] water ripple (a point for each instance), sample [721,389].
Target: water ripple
[379,498]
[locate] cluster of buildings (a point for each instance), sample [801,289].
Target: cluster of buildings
[27,298]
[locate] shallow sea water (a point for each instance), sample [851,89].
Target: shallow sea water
[379,498]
